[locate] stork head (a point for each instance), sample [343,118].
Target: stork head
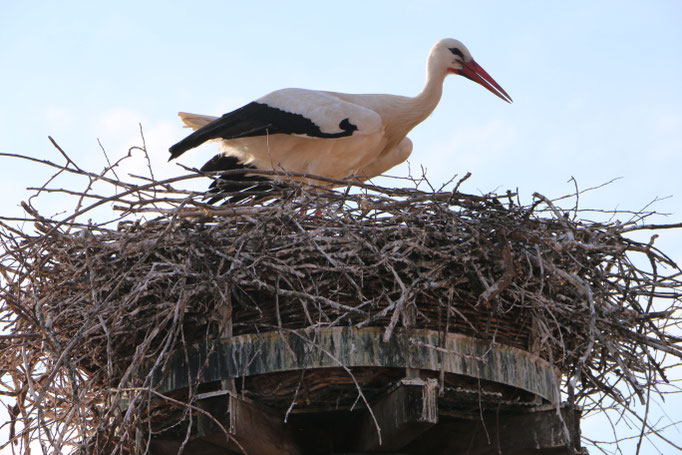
[451,56]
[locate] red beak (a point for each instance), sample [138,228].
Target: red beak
[473,71]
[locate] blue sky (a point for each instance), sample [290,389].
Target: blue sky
[596,88]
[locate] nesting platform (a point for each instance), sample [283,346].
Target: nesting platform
[428,395]
[372,320]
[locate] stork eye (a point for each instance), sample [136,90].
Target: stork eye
[457,52]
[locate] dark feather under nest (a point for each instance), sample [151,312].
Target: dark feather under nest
[88,307]
[234,187]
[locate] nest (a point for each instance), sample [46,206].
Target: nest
[92,311]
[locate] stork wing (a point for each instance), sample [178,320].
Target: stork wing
[291,111]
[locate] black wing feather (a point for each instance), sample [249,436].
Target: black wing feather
[257,119]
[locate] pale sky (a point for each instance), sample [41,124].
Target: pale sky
[596,86]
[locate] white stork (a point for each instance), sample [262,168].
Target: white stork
[330,134]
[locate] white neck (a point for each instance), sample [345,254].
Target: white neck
[404,113]
[426,101]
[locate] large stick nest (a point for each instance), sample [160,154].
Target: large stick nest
[92,310]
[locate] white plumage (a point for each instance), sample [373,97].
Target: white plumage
[330,134]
